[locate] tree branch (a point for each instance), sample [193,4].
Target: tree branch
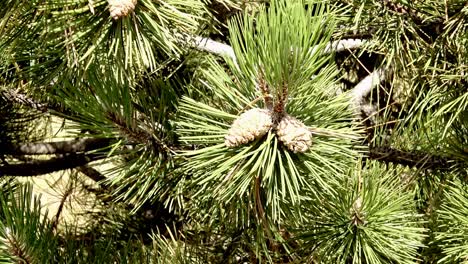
[211,46]
[15,96]
[39,167]
[412,159]
[342,45]
[60,147]
[224,50]
[91,172]
[67,193]
[19,98]
[364,87]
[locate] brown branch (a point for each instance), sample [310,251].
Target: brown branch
[92,173]
[22,99]
[130,131]
[414,159]
[279,108]
[60,147]
[136,134]
[39,167]
[17,97]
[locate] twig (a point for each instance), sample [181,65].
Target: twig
[209,45]
[342,45]
[16,248]
[15,96]
[67,193]
[265,90]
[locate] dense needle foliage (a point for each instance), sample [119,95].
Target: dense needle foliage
[220,131]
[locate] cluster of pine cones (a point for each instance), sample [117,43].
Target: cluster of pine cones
[256,122]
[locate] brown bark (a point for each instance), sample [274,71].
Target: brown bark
[411,158]
[61,147]
[39,167]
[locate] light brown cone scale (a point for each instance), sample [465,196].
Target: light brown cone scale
[121,8]
[249,126]
[294,134]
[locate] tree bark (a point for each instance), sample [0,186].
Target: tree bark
[411,158]
[61,147]
[39,167]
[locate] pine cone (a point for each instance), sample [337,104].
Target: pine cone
[294,134]
[249,126]
[121,8]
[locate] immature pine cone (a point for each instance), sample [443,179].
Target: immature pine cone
[121,8]
[248,126]
[294,134]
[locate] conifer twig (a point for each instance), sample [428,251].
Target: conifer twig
[16,97]
[342,45]
[92,173]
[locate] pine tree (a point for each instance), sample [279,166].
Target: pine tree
[282,131]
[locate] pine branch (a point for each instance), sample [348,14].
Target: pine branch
[39,167]
[364,87]
[15,96]
[61,147]
[19,98]
[91,173]
[414,159]
[136,134]
[224,50]
[211,46]
[344,44]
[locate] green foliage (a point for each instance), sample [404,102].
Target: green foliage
[453,222]
[82,32]
[25,235]
[263,181]
[168,112]
[136,112]
[208,124]
[373,219]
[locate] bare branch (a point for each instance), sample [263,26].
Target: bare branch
[411,158]
[61,147]
[19,98]
[224,50]
[211,46]
[364,87]
[67,193]
[39,167]
[344,44]
[92,173]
